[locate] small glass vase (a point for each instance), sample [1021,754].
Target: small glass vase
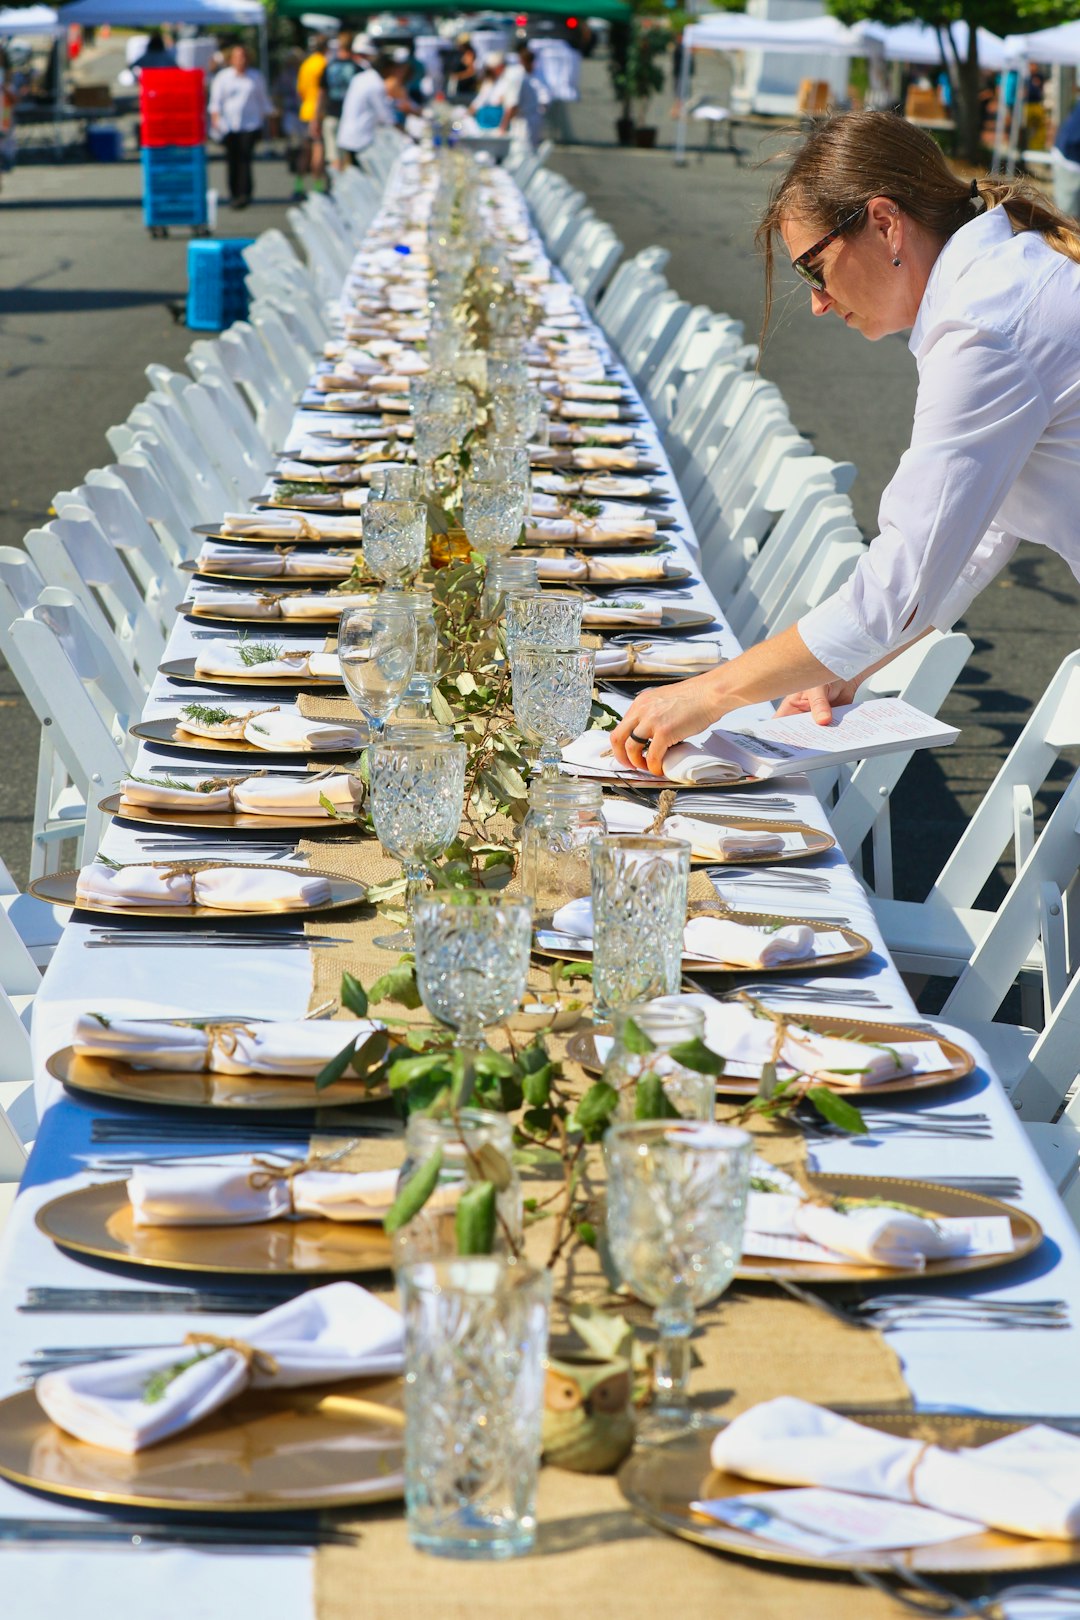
[635,1075]
[563,819]
[476,1146]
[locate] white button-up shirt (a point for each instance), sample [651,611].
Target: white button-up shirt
[995,449]
[366,106]
[238,101]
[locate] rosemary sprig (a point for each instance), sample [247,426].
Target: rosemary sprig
[257,652]
[205,714]
[170,782]
[157,1386]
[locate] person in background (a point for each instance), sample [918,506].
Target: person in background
[396,76]
[523,100]
[7,112]
[464,83]
[287,106]
[487,105]
[156,55]
[337,76]
[366,104]
[308,78]
[1065,156]
[239,108]
[413,76]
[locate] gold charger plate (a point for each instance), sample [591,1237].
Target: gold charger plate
[225,820]
[183,669]
[166,733]
[272,627]
[676,577]
[660,1482]
[674,618]
[935,1198]
[581,1048]
[98,1221]
[815,842]
[58,888]
[859,947]
[178,1088]
[213,531]
[193,569]
[654,784]
[268,1451]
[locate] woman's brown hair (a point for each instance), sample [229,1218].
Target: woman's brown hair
[852,156]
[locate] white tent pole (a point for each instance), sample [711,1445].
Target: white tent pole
[684,92]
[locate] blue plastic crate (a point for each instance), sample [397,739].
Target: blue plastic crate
[217,291]
[105,143]
[174,185]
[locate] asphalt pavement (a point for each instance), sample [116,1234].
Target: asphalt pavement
[87,300]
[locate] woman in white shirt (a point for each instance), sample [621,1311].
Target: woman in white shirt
[239,107]
[986,274]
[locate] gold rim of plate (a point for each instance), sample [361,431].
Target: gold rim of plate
[166,733]
[225,820]
[657,784]
[212,531]
[704,964]
[98,1221]
[179,1088]
[581,1049]
[638,584]
[58,888]
[325,1446]
[183,669]
[660,1482]
[815,842]
[193,570]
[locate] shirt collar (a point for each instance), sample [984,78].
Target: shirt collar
[964,249]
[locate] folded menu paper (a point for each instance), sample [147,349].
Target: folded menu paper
[127,1404]
[1027,1483]
[223,888]
[287,731]
[830,1524]
[249,1192]
[644,658]
[777,747]
[296,1050]
[591,755]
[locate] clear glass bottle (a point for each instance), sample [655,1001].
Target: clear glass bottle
[666,1023]
[476,1146]
[416,700]
[563,819]
[506,574]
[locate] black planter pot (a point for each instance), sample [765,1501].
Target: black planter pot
[645,137]
[625,129]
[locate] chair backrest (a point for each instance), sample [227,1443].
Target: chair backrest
[246,357]
[109,502]
[73,553]
[154,474]
[285,354]
[164,419]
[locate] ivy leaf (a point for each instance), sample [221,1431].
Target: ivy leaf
[407,1069]
[493,1166]
[368,1056]
[586,1232]
[336,1067]
[536,1086]
[697,1056]
[474,1221]
[596,1108]
[415,1193]
[353,995]
[398,985]
[651,1101]
[836,1110]
[767,1084]
[635,1040]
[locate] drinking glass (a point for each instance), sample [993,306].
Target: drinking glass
[377,652]
[517,411]
[395,539]
[543,619]
[417,797]
[472,960]
[552,698]
[505,574]
[639,912]
[676,1205]
[467,1141]
[476,1334]
[491,513]
[394,482]
[665,1024]
[416,702]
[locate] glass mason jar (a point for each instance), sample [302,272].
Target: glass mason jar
[505,574]
[563,819]
[476,1146]
[665,1024]
[416,700]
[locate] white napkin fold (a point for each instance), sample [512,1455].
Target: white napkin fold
[588,410]
[323,604]
[226,658]
[707,840]
[297,1049]
[302,564]
[719,940]
[290,795]
[593,458]
[340,1331]
[287,731]
[188,797]
[286,526]
[590,754]
[132,886]
[645,658]
[1027,1484]
[251,888]
[247,1193]
[255,605]
[599,529]
[149,1043]
[598,614]
[747,1042]
[219,559]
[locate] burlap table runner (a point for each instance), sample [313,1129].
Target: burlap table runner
[592,1554]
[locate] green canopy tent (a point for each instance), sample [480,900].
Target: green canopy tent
[609,10]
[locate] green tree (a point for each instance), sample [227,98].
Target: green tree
[999,16]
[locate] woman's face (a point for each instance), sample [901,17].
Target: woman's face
[862,285]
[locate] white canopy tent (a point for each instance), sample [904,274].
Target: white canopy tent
[1058,47]
[30,20]
[920,44]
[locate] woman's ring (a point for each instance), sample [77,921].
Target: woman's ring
[641,741]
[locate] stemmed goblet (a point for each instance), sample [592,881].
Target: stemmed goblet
[552,697]
[417,797]
[377,653]
[395,539]
[491,513]
[676,1205]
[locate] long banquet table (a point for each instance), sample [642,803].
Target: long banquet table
[1005,1372]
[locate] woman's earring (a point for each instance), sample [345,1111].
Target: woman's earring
[896,263]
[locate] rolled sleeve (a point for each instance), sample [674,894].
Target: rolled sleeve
[979,414]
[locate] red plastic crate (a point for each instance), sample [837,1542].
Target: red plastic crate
[172,106]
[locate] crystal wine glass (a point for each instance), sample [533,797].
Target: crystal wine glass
[472,961]
[552,697]
[540,618]
[417,797]
[491,512]
[395,539]
[676,1205]
[377,653]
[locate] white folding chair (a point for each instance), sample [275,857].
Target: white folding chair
[109,502]
[73,553]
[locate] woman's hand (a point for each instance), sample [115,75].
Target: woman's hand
[819,701]
[664,716]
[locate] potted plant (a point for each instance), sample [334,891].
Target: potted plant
[636,76]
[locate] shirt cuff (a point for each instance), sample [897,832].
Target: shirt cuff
[836,638]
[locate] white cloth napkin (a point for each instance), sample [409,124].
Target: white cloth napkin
[291,795]
[747,1042]
[1027,1484]
[295,1050]
[719,940]
[225,658]
[302,564]
[219,559]
[225,888]
[232,728]
[644,658]
[247,1193]
[610,486]
[593,458]
[150,1043]
[138,886]
[340,1331]
[286,526]
[590,754]
[323,604]
[598,614]
[706,839]
[599,529]
[236,605]
[286,731]
[188,797]
[589,410]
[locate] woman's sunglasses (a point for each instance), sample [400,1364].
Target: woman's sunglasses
[802,265]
